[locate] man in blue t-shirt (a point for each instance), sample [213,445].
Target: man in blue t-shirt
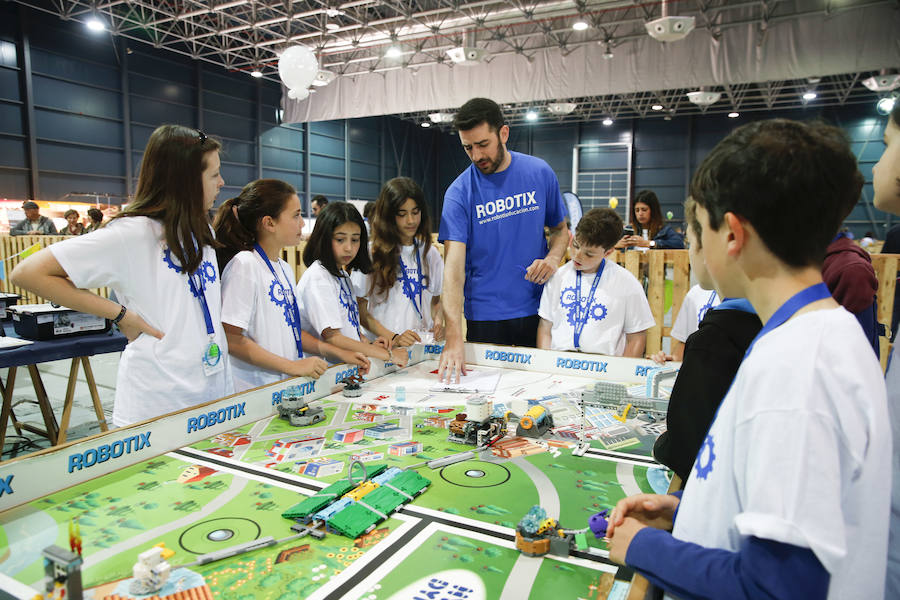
[492,228]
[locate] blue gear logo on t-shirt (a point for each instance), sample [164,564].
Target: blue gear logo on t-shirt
[349,302]
[706,449]
[276,295]
[595,310]
[206,274]
[412,284]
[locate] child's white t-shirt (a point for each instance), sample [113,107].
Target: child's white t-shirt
[253,300]
[693,308]
[395,310]
[327,302]
[155,377]
[619,307]
[800,453]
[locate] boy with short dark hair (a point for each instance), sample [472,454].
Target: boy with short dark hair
[592,304]
[787,498]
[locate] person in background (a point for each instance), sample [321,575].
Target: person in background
[74,226]
[318,203]
[867,240]
[592,304]
[368,213]
[697,302]
[34,222]
[650,230]
[496,257]
[850,277]
[96,218]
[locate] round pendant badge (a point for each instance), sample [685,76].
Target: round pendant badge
[213,355]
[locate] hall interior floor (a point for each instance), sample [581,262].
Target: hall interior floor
[55,376]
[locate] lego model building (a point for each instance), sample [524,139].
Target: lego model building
[477,426]
[353,386]
[151,571]
[298,412]
[536,421]
[537,534]
[63,571]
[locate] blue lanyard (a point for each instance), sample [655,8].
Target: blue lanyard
[295,310]
[351,301]
[407,278]
[199,292]
[582,317]
[705,308]
[813,293]
[741,304]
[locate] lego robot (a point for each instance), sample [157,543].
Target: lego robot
[477,426]
[298,412]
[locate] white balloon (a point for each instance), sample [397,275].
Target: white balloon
[297,67]
[301,94]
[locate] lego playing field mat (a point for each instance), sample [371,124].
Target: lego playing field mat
[396,490]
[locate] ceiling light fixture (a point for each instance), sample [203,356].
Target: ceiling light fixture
[810,95]
[657,107]
[332,26]
[885,105]
[256,73]
[425,124]
[580,25]
[95,24]
[733,115]
[561,108]
[393,52]
[607,121]
[531,116]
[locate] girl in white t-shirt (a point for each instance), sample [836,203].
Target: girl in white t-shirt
[328,306]
[260,314]
[402,299]
[158,258]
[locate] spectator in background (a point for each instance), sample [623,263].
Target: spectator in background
[34,222]
[96,218]
[368,212]
[850,277]
[318,203]
[75,227]
[650,230]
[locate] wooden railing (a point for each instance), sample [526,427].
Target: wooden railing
[659,269]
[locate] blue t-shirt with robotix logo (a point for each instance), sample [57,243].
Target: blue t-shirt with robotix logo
[501,218]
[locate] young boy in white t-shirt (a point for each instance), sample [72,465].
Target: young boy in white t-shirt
[591,304]
[789,495]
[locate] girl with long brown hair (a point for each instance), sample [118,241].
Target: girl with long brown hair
[158,258]
[402,299]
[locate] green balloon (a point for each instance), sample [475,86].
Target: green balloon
[669,215]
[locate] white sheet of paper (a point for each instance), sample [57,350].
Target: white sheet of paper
[11,342]
[474,382]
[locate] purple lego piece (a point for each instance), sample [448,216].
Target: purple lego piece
[598,523]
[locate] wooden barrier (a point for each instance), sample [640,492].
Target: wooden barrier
[656,269]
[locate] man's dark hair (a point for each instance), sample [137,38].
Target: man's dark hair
[793,182]
[319,247]
[477,111]
[95,215]
[600,227]
[320,200]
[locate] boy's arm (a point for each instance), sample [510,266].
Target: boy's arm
[543,334]
[760,569]
[677,350]
[634,344]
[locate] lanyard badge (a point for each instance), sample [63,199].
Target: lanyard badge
[212,356]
